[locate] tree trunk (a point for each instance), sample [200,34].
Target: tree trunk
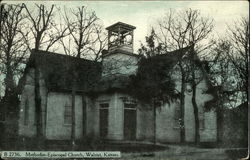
[247,71]
[246,46]
[37,41]
[73,94]
[154,123]
[84,115]
[9,81]
[196,115]
[73,111]
[37,103]
[182,108]
[195,107]
[38,111]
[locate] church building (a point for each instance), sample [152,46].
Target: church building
[53,83]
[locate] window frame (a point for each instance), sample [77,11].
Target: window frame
[67,114]
[102,107]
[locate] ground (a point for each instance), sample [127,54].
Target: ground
[179,152]
[140,151]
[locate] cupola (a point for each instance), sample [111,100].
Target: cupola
[120,36]
[119,58]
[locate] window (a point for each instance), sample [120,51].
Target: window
[177,117]
[129,121]
[26,112]
[103,120]
[67,114]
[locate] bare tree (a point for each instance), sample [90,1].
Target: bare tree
[232,58]
[229,68]
[45,31]
[223,74]
[13,53]
[238,38]
[181,29]
[81,25]
[99,42]
[42,32]
[13,48]
[178,30]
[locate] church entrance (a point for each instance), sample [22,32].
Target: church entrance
[129,122]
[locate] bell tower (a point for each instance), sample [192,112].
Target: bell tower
[119,58]
[120,36]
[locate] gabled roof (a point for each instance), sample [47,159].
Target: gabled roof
[57,70]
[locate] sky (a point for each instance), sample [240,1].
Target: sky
[143,14]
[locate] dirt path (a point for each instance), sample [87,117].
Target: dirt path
[187,153]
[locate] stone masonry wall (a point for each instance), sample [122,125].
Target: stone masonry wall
[167,130]
[55,128]
[145,123]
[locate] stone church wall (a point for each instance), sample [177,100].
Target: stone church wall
[56,128]
[167,129]
[145,123]
[92,124]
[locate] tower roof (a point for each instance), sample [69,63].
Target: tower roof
[122,26]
